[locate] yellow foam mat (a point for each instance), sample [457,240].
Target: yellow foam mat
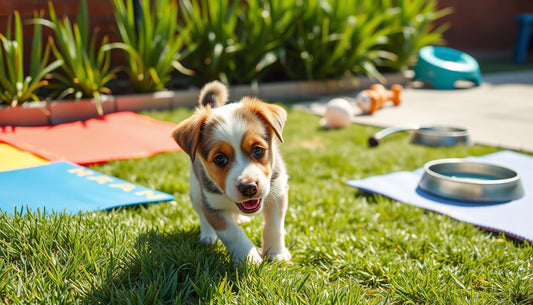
[12,158]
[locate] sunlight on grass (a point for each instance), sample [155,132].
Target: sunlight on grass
[348,246]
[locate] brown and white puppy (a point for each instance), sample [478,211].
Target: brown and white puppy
[237,171]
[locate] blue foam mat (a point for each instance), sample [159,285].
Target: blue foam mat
[514,218]
[64,186]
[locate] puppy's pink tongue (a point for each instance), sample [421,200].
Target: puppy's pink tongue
[250,204]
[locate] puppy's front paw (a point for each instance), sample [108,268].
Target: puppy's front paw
[208,239]
[252,256]
[283,255]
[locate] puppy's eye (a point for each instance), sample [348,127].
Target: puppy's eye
[220,160]
[258,152]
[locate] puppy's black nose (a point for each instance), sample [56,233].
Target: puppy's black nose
[248,189]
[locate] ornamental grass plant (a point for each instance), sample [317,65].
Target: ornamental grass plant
[251,41]
[336,37]
[152,44]
[412,24]
[86,63]
[18,82]
[237,42]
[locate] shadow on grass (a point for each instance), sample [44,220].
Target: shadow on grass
[371,198]
[165,268]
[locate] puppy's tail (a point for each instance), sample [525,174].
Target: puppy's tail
[214,94]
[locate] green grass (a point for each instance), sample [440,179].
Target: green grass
[348,247]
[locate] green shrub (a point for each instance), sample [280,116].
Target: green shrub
[336,37]
[153,47]
[86,65]
[15,86]
[247,41]
[233,41]
[237,42]
[412,25]
[214,33]
[265,28]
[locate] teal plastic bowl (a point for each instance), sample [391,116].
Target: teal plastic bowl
[443,66]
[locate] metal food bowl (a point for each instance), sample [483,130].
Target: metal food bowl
[471,181]
[429,135]
[440,136]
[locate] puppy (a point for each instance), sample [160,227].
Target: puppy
[237,171]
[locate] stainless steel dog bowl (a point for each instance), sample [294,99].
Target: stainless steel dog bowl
[471,181]
[440,136]
[429,135]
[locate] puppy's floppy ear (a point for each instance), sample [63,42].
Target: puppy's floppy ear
[187,133]
[276,117]
[273,115]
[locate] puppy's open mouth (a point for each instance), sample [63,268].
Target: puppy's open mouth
[249,206]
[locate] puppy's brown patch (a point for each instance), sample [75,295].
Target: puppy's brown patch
[249,142]
[216,172]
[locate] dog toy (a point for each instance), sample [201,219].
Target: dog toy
[374,98]
[338,114]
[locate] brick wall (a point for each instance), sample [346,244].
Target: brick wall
[484,25]
[100,12]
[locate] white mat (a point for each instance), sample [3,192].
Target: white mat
[513,218]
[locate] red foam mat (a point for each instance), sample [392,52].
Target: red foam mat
[116,136]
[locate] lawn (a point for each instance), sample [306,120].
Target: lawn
[348,247]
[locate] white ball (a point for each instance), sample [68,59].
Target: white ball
[338,113]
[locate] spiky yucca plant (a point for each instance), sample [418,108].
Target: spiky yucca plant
[153,47]
[412,24]
[86,63]
[15,85]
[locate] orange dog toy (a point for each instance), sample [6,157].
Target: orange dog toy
[372,99]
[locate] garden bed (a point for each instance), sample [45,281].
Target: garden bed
[56,112]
